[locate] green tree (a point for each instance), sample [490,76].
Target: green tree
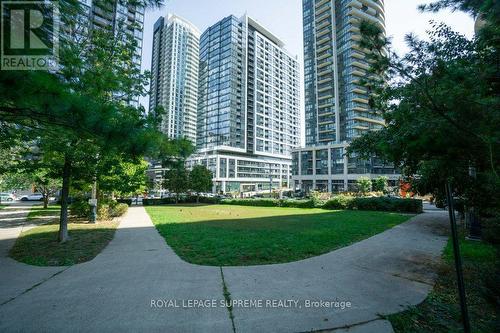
[174,153]
[82,113]
[176,181]
[380,184]
[123,178]
[441,104]
[200,180]
[364,185]
[46,185]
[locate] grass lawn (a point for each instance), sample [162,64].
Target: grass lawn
[222,235]
[39,246]
[37,212]
[440,312]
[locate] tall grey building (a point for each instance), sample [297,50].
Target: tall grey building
[336,104]
[248,111]
[174,68]
[114,16]
[110,14]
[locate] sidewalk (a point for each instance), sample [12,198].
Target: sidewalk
[17,277]
[113,292]
[380,275]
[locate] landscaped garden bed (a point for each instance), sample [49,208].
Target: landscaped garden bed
[39,246]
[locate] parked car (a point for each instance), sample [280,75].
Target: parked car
[32,197]
[7,197]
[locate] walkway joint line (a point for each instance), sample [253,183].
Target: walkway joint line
[345,326]
[227,297]
[34,286]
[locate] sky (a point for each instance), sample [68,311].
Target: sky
[284,19]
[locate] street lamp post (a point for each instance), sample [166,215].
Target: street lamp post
[93,203]
[93,200]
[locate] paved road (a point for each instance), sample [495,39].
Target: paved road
[115,291]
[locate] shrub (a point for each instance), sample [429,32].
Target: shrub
[380,184]
[364,184]
[119,210]
[440,202]
[125,201]
[182,200]
[297,203]
[491,229]
[155,202]
[103,212]
[251,202]
[387,204]
[80,208]
[271,203]
[339,202]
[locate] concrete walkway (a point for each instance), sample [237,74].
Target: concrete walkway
[127,287]
[15,277]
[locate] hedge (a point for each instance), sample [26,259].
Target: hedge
[105,211]
[128,202]
[270,203]
[387,204]
[182,200]
[119,210]
[340,202]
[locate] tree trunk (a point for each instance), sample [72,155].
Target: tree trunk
[197,198]
[46,200]
[63,221]
[177,198]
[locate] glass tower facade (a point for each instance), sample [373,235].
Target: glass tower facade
[221,109]
[336,103]
[337,107]
[248,106]
[174,82]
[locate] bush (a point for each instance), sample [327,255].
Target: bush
[387,204]
[380,184]
[297,203]
[182,200]
[251,202]
[491,230]
[103,212]
[271,203]
[156,202]
[118,210]
[125,201]
[339,202]
[364,184]
[80,208]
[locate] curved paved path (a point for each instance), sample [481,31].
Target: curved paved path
[114,292]
[15,277]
